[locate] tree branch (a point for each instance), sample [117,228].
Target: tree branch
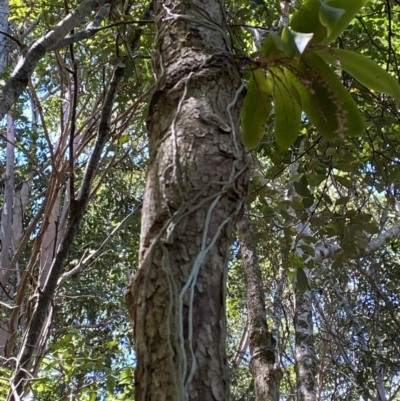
[28,61]
[90,30]
[77,210]
[333,251]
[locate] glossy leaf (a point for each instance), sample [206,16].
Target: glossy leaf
[330,16]
[326,26]
[287,111]
[352,8]
[256,108]
[326,102]
[294,43]
[273,47]
[365,71]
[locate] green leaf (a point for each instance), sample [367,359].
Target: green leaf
[370,227]
[329,16]
[301,281]
[124,138]
[272,47]
[309,250]
[337,264]
[294,43]
[365,71]
[349,235]
[301,189]
[325,24]
[297,204]
[343,181]
[318,222]
[243,13]
[287,111]
[345,166]
[256,109]
[306,20]
[326,102]
[352,8]
[110,384]
[342,201]
[316,179]
[278,42]
[308,202]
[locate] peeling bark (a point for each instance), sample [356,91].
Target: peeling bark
[195,185]
[266,374]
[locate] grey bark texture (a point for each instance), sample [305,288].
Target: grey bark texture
[266,374]
[306,364]
[196,181]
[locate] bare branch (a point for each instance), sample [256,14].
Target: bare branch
[90,30]
[13,38]
[28,62]
[77,211]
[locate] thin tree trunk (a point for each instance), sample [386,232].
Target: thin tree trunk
[305,356]
[196,181]
[76,213]
[306,365]
[266,374]
[4,8]
[6,216]
[278,308]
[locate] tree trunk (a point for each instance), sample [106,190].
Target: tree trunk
[267,375]
[6,214]
[306,365]
[196,181]
[4,8]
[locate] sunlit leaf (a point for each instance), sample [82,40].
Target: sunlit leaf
[365,71]
[326,102]
[256,108]
[329,16]
[287,111]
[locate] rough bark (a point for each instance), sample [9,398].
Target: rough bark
[196,180]
[263,367]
